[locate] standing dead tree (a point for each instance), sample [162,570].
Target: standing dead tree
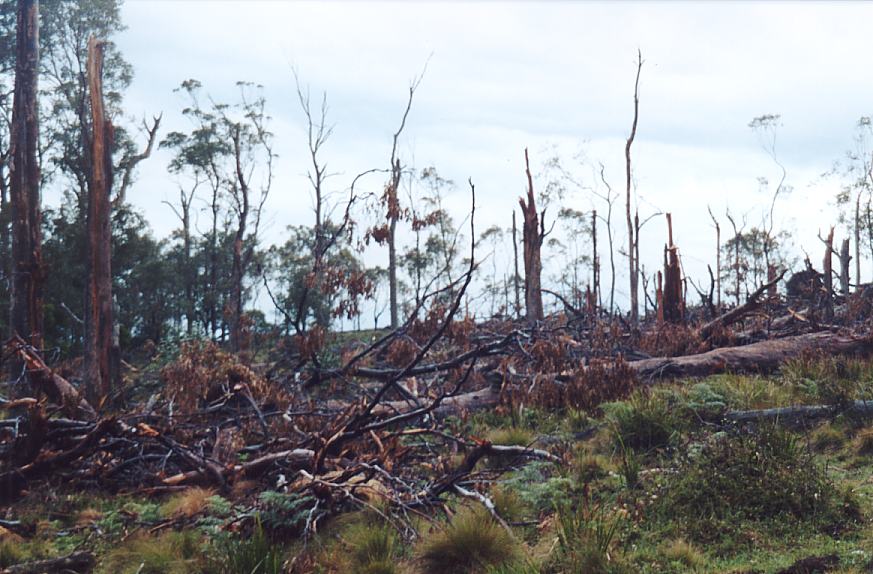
[100,353]
[828,276]
[672,300]
[717,258]
[516,278]
[632,228]
[533,233]
[27,274]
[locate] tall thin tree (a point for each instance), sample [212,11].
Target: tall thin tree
[26,316]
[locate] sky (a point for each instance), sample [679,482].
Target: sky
[555,77]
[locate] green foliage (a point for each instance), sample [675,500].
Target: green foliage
[705,401]
[284,512]
[471,543]
[537,488]
[754,476]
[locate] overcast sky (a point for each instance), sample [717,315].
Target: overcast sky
[545,75]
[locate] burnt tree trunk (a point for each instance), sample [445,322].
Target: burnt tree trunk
[532,234]
[99,349]
[26,317]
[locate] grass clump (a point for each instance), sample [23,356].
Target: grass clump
[644,421]
[585,536]
[372,548]
[11,553]
[169,553]
[255,554]
[753,476]
[471,543]
[684,554]
[188,503]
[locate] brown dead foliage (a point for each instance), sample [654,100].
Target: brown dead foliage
[585,389]
[670,340]
[204,372]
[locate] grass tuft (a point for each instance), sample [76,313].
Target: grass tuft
[471,543]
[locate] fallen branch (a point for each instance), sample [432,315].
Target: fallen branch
[753,302]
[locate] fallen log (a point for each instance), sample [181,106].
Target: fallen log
[78,562]
[762,357]
[858,408]
[42,378]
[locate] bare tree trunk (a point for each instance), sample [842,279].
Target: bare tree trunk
[717,259]
[393,216]
[26,316]
[845,261]
[235,304]
[532,235]
[672,296]
[98,325]
[858,242]
[632,238]
[595,260]
[516,279]
[828,277]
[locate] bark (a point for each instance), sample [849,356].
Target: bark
[532,234]
[26,301]
[762,357]
[595,260]
[99,349]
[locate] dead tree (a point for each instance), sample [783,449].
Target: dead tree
[717,259]
[533,233]
[99,352]
[672,296]
[516,278]
[633,239]
[845,260]
[26,318]
[595,260]
[828,267]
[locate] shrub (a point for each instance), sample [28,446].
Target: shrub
[586,390]
[754,476]
[471,543]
